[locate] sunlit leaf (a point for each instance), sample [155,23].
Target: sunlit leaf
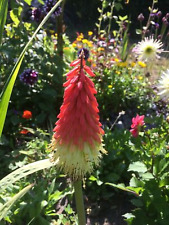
[28,1]
[137,167]
[129,215]
[15,14]
[41,1]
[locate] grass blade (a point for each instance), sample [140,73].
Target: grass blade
[6,207]
[6,96]
[3,15]
[25,171]
[7,90]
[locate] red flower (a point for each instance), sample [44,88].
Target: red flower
[27,114]
[77,141]
[24,131]
[137,123]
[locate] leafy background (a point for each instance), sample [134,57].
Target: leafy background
[131,184]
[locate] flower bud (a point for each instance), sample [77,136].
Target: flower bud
[140,17]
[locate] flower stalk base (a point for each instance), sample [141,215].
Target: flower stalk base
[79,202]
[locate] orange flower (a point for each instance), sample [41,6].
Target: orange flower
[77,141]
[24,131]
[27,114]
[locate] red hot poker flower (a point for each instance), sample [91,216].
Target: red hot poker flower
[27,114]
[137,123]
[77,141]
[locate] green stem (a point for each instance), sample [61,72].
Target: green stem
[100,19]
[79,202]
[110,19]
[149,19]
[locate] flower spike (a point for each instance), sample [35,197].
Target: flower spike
[77,140]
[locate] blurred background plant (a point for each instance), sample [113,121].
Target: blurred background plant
[125,85]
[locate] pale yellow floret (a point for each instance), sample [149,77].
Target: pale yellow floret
[76,162]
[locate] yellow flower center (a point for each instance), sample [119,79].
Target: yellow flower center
[149,50]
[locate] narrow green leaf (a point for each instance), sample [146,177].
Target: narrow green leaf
[3,15]
[7,90]
[6,207]
[25,171]
[6,96]
[122,187]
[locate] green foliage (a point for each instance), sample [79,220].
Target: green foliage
[3,15]
[149,178]
[6,207]
[120,89]
[48,200]
[6,93]
[43,204]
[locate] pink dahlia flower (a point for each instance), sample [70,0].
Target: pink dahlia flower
[137,123]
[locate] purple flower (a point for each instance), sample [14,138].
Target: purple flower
[152,15]
[112,40]
[159,14]
[29,77]
[140,17]
[157,25]
[86,53]
[36,14]
[159,37]
[102,44]
[48,6]
[164,20]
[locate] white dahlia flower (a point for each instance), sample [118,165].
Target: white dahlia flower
[163,86]
[148,49]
